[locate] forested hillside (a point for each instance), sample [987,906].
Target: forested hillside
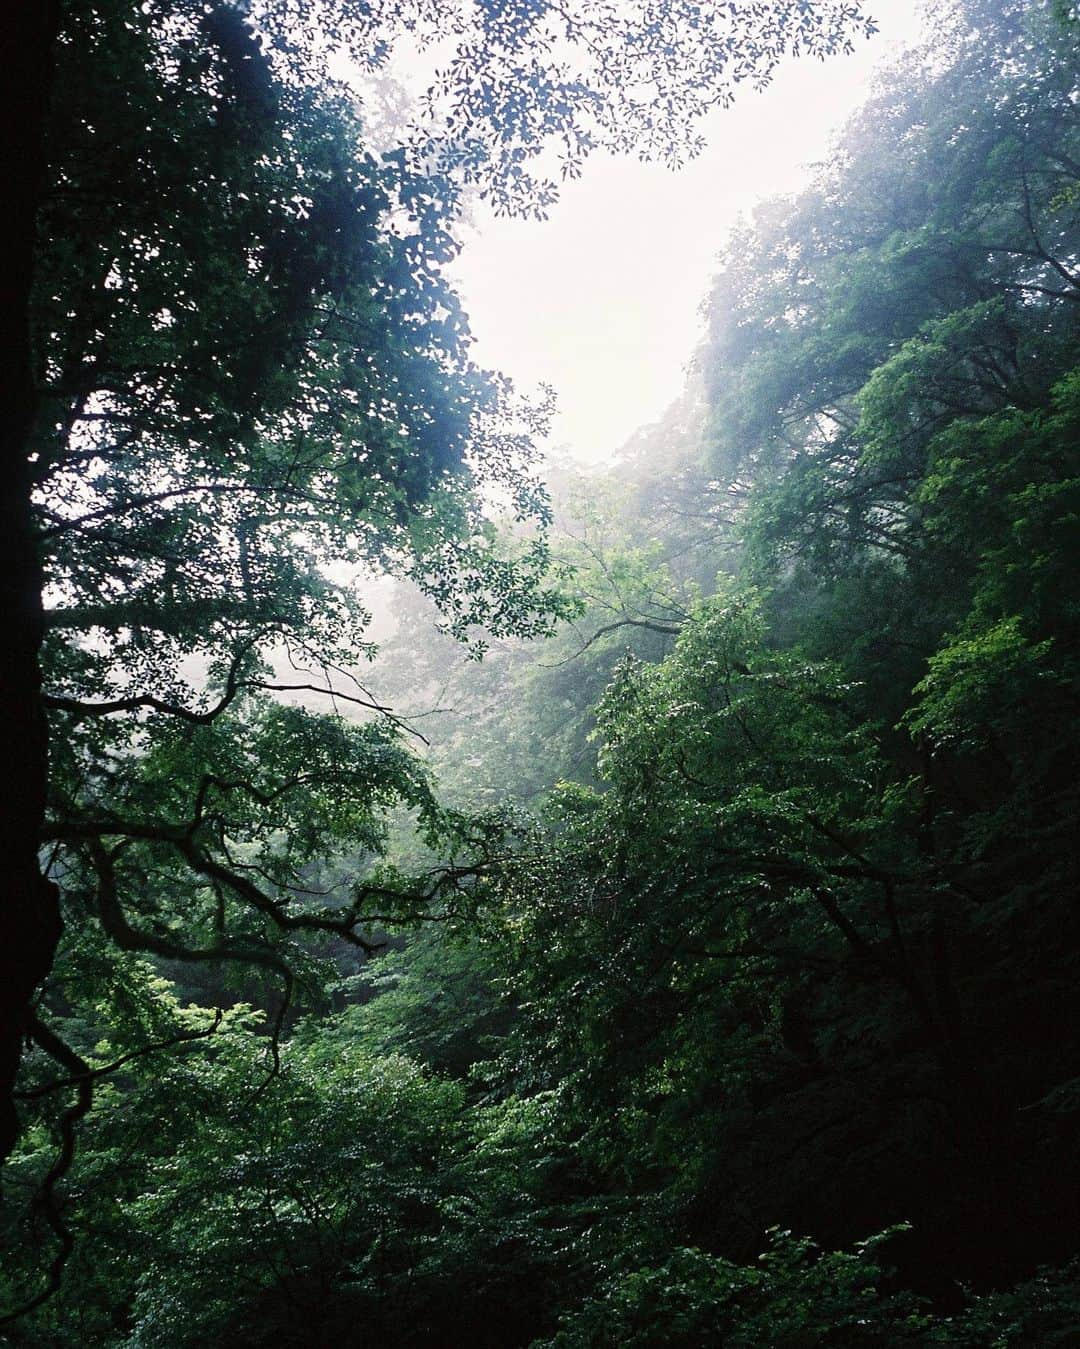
[666,936]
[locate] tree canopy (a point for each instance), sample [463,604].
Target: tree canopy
[707,974]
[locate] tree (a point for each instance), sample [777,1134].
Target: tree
[356,1197]
[237,278]
[930,262]
[807,953]
[801,945]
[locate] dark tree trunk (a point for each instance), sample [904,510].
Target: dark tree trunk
[29,913]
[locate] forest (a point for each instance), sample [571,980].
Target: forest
[459,899]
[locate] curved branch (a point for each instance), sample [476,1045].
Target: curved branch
[233,685]
[82,711]
[135,503]
[184,1037]
[262,902]
[115,920]
[665,627]
[400,723]
[82,1079]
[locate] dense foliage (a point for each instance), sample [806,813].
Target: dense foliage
[741,909]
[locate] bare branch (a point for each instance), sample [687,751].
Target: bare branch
[670,629]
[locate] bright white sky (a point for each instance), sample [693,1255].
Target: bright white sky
[601,300]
